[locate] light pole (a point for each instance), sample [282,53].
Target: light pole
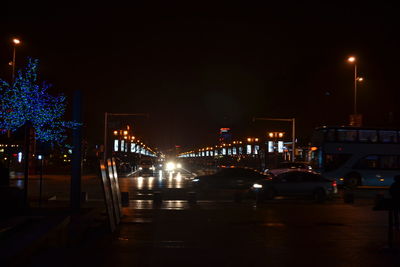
[356,79]
[106,115]
[293,121]
[15,42]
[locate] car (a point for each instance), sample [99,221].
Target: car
[289,166]
[227,180]
[172,166]
[296,183]
[146,167]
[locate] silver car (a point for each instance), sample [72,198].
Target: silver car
[296,183]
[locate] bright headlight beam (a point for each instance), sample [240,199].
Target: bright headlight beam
[170,166]
[257,186]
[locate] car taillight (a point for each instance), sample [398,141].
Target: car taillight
[334,184]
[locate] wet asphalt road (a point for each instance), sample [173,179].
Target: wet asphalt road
[282,232]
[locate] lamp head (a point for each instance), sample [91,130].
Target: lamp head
[16,41]
[351,59]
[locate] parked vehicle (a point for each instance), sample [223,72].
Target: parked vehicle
[296,183]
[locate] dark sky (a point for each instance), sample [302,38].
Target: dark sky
[195,69]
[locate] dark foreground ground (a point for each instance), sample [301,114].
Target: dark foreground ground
[280,233]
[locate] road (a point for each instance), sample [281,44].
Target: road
[282,232]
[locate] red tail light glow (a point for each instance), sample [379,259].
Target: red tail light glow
[334,184]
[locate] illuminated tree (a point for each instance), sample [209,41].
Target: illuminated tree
[27,101]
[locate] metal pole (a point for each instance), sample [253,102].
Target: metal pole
[41,181]
[26,163]
[76,174]
[390,228]
[355,89]
[293,120]
[13,65]
[293,138]
[105,136]
[106,114]
[8,131]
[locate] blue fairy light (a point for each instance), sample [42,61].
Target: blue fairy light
[26,100]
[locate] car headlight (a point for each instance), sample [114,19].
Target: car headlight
[170,166]
[140,168]
[178,165]
[257,186]
[196,180]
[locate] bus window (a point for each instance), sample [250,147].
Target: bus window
[335,161]
[368,162]
[345,135]
[368,136]
[388,136]
[389,162]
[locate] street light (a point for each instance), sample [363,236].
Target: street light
[106,115]
[293,121]
[353,60]
[15,42]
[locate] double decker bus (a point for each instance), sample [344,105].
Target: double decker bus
[356,156]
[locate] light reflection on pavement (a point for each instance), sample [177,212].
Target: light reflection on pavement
[172,180]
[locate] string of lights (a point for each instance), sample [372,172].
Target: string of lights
[25,100]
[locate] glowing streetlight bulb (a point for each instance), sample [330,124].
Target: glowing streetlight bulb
[351,59]
[360,79]
[16,41]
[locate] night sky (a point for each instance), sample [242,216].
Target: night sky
[195,69]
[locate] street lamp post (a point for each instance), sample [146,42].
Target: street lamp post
[356,79]
[15,43]
[293,121]
[106,115]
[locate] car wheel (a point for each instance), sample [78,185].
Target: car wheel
[269,193]
[320,195]
[352,180]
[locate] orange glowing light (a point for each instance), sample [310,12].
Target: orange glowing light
[351,59]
